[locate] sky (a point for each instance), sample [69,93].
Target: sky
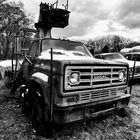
[90,19]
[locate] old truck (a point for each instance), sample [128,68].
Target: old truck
[61,82]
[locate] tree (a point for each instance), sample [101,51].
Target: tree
[2,13]
[10,23]
[105,49]
[109,43]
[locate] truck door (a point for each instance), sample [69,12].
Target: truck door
[29,61]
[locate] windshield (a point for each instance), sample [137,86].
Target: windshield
[60,46]
[113,56]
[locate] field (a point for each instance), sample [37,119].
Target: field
[124,125]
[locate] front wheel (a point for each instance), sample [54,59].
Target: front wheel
[37,115]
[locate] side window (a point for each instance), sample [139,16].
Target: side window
[34,49]
[128,57]
[98,56]
[138,57]
[133,57]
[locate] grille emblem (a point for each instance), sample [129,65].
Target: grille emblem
[98,77]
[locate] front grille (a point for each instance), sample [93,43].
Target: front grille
[98,94]
[95,77]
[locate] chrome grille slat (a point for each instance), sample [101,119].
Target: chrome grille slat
[84,97]
[114,79]
[108,79]
[93,96]
[113,92]
[97,73]
[84,80]
[85,73]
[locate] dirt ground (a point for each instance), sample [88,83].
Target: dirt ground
[14,125]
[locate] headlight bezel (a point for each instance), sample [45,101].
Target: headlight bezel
[74,78]
[122,75]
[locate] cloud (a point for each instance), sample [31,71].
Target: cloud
[129,14]
[131,21]
[84,16]
[92,18]
[122,17]
[127,7]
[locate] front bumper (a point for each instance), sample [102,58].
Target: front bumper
[89,110]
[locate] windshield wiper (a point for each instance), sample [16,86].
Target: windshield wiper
[78,53]
[58,53]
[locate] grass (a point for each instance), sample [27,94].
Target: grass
[123,125]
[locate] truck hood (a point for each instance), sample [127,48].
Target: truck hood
[75,57]
[64,55]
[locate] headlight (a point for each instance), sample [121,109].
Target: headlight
[122,76]
[74,78]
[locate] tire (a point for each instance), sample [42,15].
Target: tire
[37,114]
[0,76]
[25,98]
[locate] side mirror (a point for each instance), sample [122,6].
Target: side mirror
[18,43]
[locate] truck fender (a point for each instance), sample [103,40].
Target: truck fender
[42,80]
[40,76]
